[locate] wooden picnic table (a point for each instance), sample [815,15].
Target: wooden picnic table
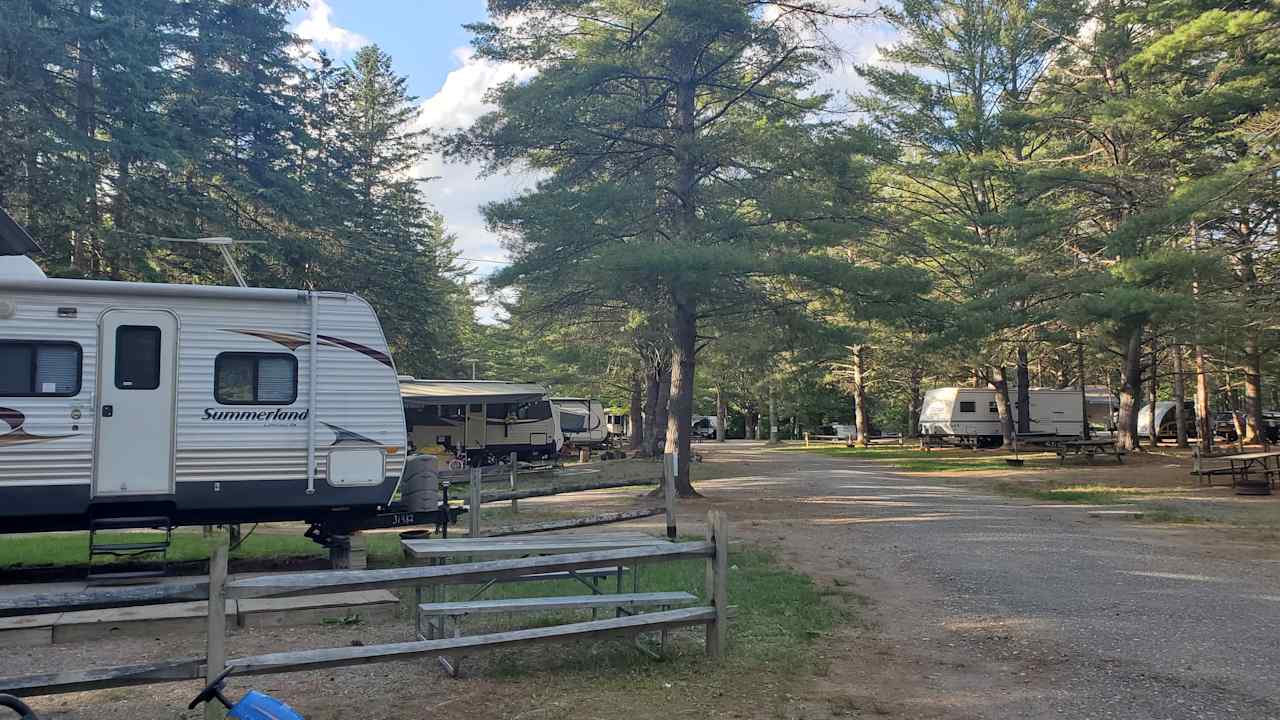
[1088,448]
[1246,468]
[441,551]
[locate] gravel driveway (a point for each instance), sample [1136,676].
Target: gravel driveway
[984,606]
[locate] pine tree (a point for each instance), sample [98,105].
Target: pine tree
[685,153]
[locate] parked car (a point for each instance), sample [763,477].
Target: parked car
[1224,424]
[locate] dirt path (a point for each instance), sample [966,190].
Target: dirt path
[986,607]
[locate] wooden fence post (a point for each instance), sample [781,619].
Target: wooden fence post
[806,438]
[216,641]
[669,493]
[473,509]
[515,504]
[717,580]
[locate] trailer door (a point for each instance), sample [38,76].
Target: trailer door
[137,371]
[476,423]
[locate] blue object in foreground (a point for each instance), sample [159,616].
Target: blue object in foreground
[258,706]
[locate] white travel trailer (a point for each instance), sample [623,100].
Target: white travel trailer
[1166,419]
[617,422]
[705,426]
[485,420]
[193,404]
[582,421]
[970,413]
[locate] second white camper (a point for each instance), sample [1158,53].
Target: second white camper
[582,421]
[484,420]
[971,414]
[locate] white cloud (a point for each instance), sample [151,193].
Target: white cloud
[318,30]
[456,189]
[860,44]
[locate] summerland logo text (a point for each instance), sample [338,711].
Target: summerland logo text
[266,417]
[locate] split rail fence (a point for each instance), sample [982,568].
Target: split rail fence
[713,615]
[509,474]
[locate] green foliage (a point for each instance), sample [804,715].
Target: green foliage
[129,121]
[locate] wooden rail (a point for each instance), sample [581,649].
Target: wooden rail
[588,521]
[714,616]
[342,580]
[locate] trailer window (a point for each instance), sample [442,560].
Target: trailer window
[968,406]
[538,410]
[137,357]
[255,378]
[39,369]
[992,407]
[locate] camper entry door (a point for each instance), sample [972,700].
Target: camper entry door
[136,376]
[474,430]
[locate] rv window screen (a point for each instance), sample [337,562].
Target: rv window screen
[35,369]
[255,379]
[968,406]
[137,357]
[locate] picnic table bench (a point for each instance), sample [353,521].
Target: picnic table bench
[1088,448]
[432,615]
[1254,473]
[1242,469]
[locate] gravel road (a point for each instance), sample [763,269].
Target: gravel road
[984,606]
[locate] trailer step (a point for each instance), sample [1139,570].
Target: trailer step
[129,548]
[116,548]
[125,578]
[131,523]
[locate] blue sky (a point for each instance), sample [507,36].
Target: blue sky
[420,35]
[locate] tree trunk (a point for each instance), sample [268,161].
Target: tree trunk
[1203,431]
[653,394]
[1153,429]
[913,392]
[1023,406]
[1000,383]
[860,395]
[684,321]
[773,416]
[1130,391]
[680,416]
[1084,395]
[1255,431]
[722,416]
[1179,396]
[662,410]
[637,412]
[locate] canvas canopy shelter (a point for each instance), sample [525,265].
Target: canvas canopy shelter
[420,393]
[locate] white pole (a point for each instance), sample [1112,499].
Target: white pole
[515,504]
[313,382]
[669,492]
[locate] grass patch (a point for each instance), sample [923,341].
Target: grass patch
[780,613]
[1087,494]
[72,548]
[915,460]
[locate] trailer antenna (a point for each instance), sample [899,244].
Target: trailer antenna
[223,244]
